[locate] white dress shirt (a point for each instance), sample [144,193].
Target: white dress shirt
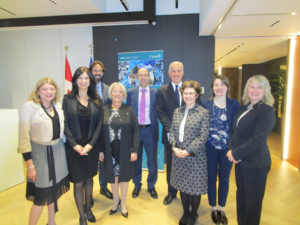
[181,127]
[174,88]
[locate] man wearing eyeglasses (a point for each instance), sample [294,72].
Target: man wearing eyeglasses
[168,99]
[142,99]
[97,69]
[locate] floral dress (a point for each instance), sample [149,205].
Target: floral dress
[114,127]
[219,129]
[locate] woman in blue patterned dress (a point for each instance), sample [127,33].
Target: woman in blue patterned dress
[222,110]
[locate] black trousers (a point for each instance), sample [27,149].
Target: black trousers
[251,184]
[171,191]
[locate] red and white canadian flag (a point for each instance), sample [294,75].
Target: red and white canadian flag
[68,77]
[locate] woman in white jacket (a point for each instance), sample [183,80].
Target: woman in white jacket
[41,129]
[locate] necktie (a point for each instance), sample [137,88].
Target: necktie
[142,107]
[177,94]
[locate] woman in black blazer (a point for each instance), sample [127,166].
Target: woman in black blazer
[119,146]
[252,125]
[83,122]
[222,110]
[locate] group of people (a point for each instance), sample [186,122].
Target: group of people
[94,131]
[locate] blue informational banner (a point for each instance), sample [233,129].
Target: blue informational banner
[128,64]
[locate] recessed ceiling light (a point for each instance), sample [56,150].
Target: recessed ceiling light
[230,52]
[293,13]
[53,2]
[273,24]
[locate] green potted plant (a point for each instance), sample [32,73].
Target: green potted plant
[278,82]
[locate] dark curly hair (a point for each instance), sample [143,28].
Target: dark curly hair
[191,84]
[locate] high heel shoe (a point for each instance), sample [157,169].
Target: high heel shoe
[91,219]
[111,212]
[125,214]
[192,222]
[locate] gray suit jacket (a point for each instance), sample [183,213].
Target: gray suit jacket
[105,98]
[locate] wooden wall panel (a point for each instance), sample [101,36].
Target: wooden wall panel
[233,76]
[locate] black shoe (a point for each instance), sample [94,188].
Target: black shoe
[135,192]
[183,220]
[114,211]
[168,199]
[153,194]
[191,221]
[125,214]
[92,202]
[92,219]
[106,193]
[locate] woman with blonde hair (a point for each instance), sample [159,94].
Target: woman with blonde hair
[252,125]
[120,144]
[41,128]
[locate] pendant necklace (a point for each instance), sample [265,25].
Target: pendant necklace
[47,109]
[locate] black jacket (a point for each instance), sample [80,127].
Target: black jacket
[72,127]
[129,143]
[248,141]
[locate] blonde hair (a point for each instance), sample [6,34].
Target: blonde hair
[111,87]
[264,83]
[34,94]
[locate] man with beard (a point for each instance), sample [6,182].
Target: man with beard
[97,69]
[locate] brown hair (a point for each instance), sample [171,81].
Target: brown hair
[224,80]
[34,94]
[191,84]
[96,63]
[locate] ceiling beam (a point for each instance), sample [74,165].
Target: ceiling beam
[148,14]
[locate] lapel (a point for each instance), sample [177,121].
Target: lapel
[172,93]
[152,102]
[210,104]
[229,112]
[135,100]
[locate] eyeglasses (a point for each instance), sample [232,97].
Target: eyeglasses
[189,93]
[117,92]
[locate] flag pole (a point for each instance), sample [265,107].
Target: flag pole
[68,74]
[91,47]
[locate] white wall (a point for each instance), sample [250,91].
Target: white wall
[29,55]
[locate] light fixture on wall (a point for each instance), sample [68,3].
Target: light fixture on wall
[125,4]
[220,71]
[289,97]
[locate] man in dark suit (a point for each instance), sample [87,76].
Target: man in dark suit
[97,68]
[168,99]
[142,99]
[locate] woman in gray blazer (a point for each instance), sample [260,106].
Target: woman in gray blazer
[188,136]
[41,128]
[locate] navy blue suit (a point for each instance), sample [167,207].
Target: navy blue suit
[217,162]
[148,139]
